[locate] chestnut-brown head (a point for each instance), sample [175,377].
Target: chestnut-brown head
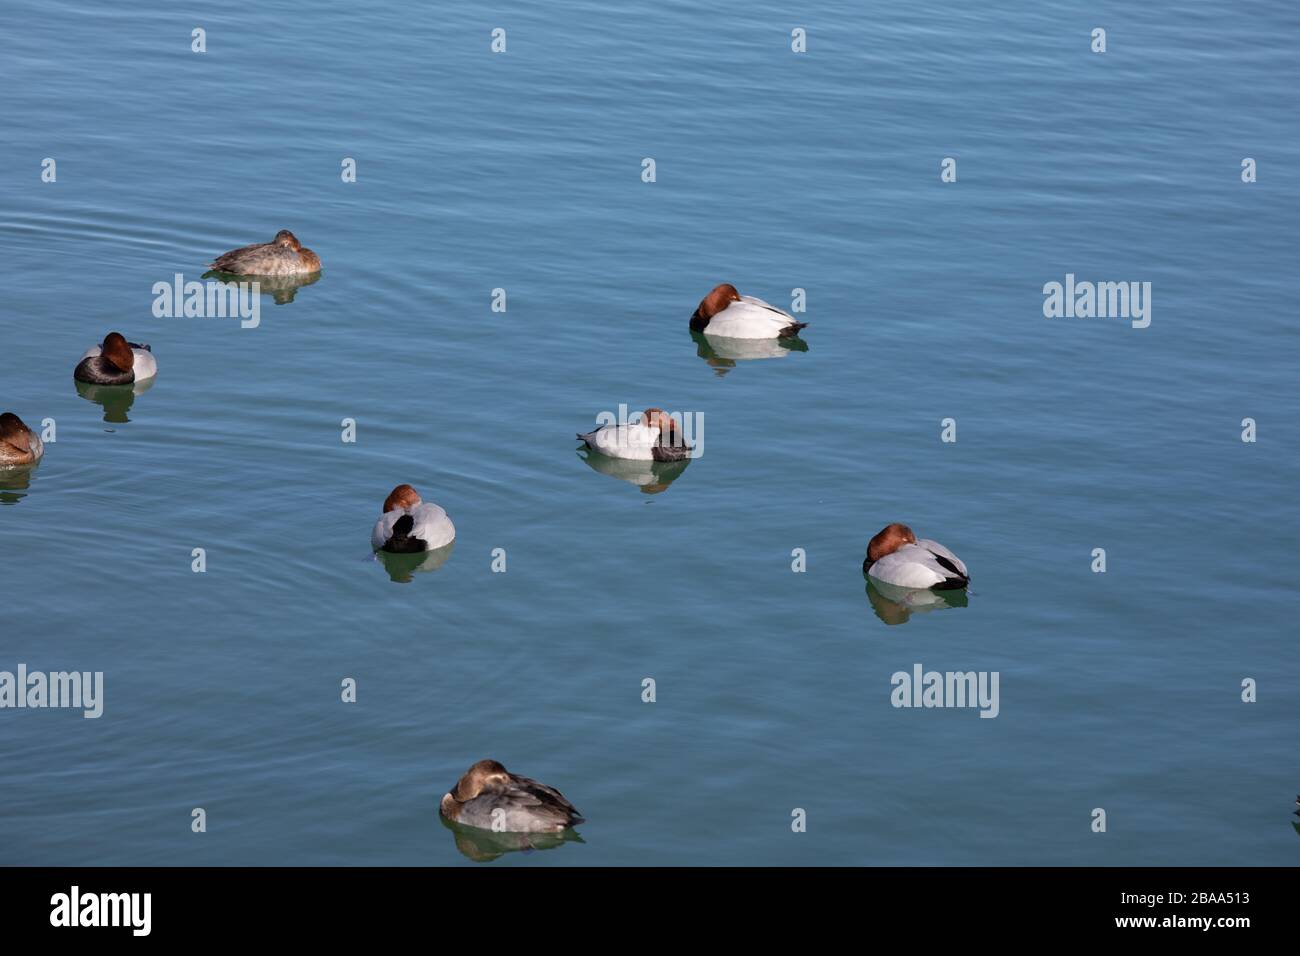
[285,238]
[483,775]
[890,539]
[403,496]
[118,352]
[14,433]
[658,418]
[717,300]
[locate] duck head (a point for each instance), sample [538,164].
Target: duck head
[658,418]
[15,433]
[890,539]
[285,238]
[717,300]
[481,776]
[403,496]
[117,352]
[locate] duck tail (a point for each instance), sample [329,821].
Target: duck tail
[791,329]
[401,541]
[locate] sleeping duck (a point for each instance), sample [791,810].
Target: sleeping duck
[491,797]
[19,445]
[655,437]
[409,525]
[116,362]
[896,557]
[726,313]
[282,256]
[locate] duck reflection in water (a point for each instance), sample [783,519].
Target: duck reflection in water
[895,605]
[402,568]
[281,289]
[116,400]
[14,482]
[652,477]
[722,354]
[484,846]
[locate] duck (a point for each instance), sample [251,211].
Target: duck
[410,525]
[490,797]
[19,445]
[282,256]
[895,556]
[655,437]
[726,313]
[116,362]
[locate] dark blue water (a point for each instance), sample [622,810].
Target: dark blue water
[775,171]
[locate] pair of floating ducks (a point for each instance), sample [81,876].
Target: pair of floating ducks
[724,312]
[115,362]
[119,362]
[492,798]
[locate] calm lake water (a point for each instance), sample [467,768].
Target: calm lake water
[775,171]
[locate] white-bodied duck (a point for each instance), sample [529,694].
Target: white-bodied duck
[655,437]
[895,556]
[409,525]
[726,313]
[116,362]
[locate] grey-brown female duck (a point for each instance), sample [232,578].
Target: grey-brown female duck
[491,797]
[282,256]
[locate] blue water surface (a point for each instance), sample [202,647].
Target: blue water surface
[775,171]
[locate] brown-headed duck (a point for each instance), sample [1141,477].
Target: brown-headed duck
[409,525]
[895,556]
[656,437]
[19,445]
[726,313]
[116,362]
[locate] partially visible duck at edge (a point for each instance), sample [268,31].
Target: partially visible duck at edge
[655,437]
[410,525]
[896,556]
[19,445]
[725,312]
[491,797]
[116,362]
[282,256]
